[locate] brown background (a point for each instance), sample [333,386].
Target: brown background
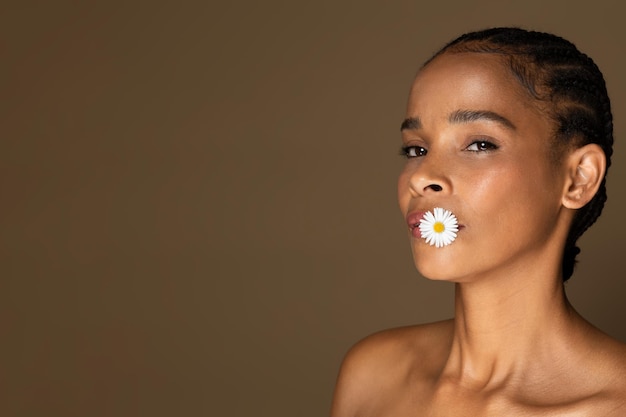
[198,211]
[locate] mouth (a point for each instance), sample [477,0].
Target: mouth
[413,220]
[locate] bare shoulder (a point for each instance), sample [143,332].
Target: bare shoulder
[385,361]
[608,374]
[614,359]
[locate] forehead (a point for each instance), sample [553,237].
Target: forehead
[469,81]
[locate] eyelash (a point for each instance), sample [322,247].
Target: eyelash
[486,145]
[407,150]
[481,146]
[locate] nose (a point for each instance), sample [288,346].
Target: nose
[435,187]
[429,177]
[423,186]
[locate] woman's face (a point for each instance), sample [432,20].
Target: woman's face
[478,146]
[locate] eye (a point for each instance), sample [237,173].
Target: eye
[481,146]
[413,151]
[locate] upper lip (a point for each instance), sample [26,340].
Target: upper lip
[414,218]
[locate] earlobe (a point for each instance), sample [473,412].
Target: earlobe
[585,171]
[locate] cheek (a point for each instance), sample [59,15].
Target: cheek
[516,198]
[490,186]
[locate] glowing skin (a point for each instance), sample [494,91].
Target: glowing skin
[477,145]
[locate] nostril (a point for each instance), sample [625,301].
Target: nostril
[435,187]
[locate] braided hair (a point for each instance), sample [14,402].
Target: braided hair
[571,88]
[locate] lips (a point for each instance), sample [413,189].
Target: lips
[413,220]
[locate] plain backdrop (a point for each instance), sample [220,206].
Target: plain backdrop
[198,199]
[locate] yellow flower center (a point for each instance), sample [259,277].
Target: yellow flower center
[439,227]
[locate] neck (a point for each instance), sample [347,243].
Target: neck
[502,328]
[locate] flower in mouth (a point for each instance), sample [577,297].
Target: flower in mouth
[439,227]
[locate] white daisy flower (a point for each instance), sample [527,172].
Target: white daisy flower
[439,229]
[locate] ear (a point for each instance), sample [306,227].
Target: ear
[585,170]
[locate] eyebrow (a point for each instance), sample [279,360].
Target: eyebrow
[411,123]
[462,116]
[468,116]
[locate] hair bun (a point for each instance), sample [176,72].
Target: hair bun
[569,260]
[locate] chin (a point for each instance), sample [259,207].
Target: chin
[436,272]
[439,266]
[439,276]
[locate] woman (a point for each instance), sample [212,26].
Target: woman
[508,136]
